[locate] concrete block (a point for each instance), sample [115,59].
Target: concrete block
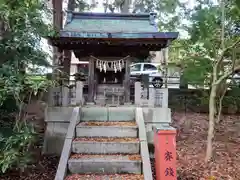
[62,166]
[157,115]
[150,137]
[137,93]
[106,131]
[60,128]
[54,137]
[162,115]
[53,144]
[89,147]
[146,164]
[121,113]
[94,114]
[58,114]
[75,118]
[141,124]
[153,117]
[105,165]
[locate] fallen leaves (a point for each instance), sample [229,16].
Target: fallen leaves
[94,123]
[115,156]
[191,146]
[105,177]
[104,139]
[44,170]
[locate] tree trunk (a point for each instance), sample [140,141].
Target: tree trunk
[212,110]
[220,105]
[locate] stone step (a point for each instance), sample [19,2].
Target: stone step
[107,129]
[106,177]
[106,145]
[105,164]
[107,114]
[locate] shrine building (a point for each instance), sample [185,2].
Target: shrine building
[110,43]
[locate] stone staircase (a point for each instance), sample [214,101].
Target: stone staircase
[105,150]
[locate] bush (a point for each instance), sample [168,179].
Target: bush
[14,148]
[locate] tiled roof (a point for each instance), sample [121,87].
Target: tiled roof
[110,23]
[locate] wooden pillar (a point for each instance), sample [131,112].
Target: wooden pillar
[91,80]
[57,53]
[57,14]
[66,66]
[57,23]
[127,80]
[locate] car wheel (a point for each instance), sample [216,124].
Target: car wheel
[157,83]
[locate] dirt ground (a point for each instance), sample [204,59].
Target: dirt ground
[45,169]
[191,146]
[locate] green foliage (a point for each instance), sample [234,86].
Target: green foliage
[24,27]
[14,148]
[198,54]
[80,5]
[21,28]
[169,12]
[198,101]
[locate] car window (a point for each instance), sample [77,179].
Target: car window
[149,67]
[136,67]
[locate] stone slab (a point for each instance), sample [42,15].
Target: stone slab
[107,177]
[75,119]
[141,124]
[54,137]
[58,114]
[146,165]
[121,113]
[105,165]
[157,115]
[106,131]
[94,114]
[150,137]
[88,147]
[153,117]
[62,166]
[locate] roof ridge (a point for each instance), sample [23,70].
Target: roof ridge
[146,15]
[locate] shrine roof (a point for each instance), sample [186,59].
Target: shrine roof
[110,22]
[98,32]
[113,25]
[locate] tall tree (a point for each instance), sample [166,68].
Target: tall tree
[20,49]
[214,39]
[221,73]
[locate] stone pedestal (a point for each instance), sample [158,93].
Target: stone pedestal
[79,93]
[137,93]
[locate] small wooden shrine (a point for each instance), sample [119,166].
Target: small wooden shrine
[110,42]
